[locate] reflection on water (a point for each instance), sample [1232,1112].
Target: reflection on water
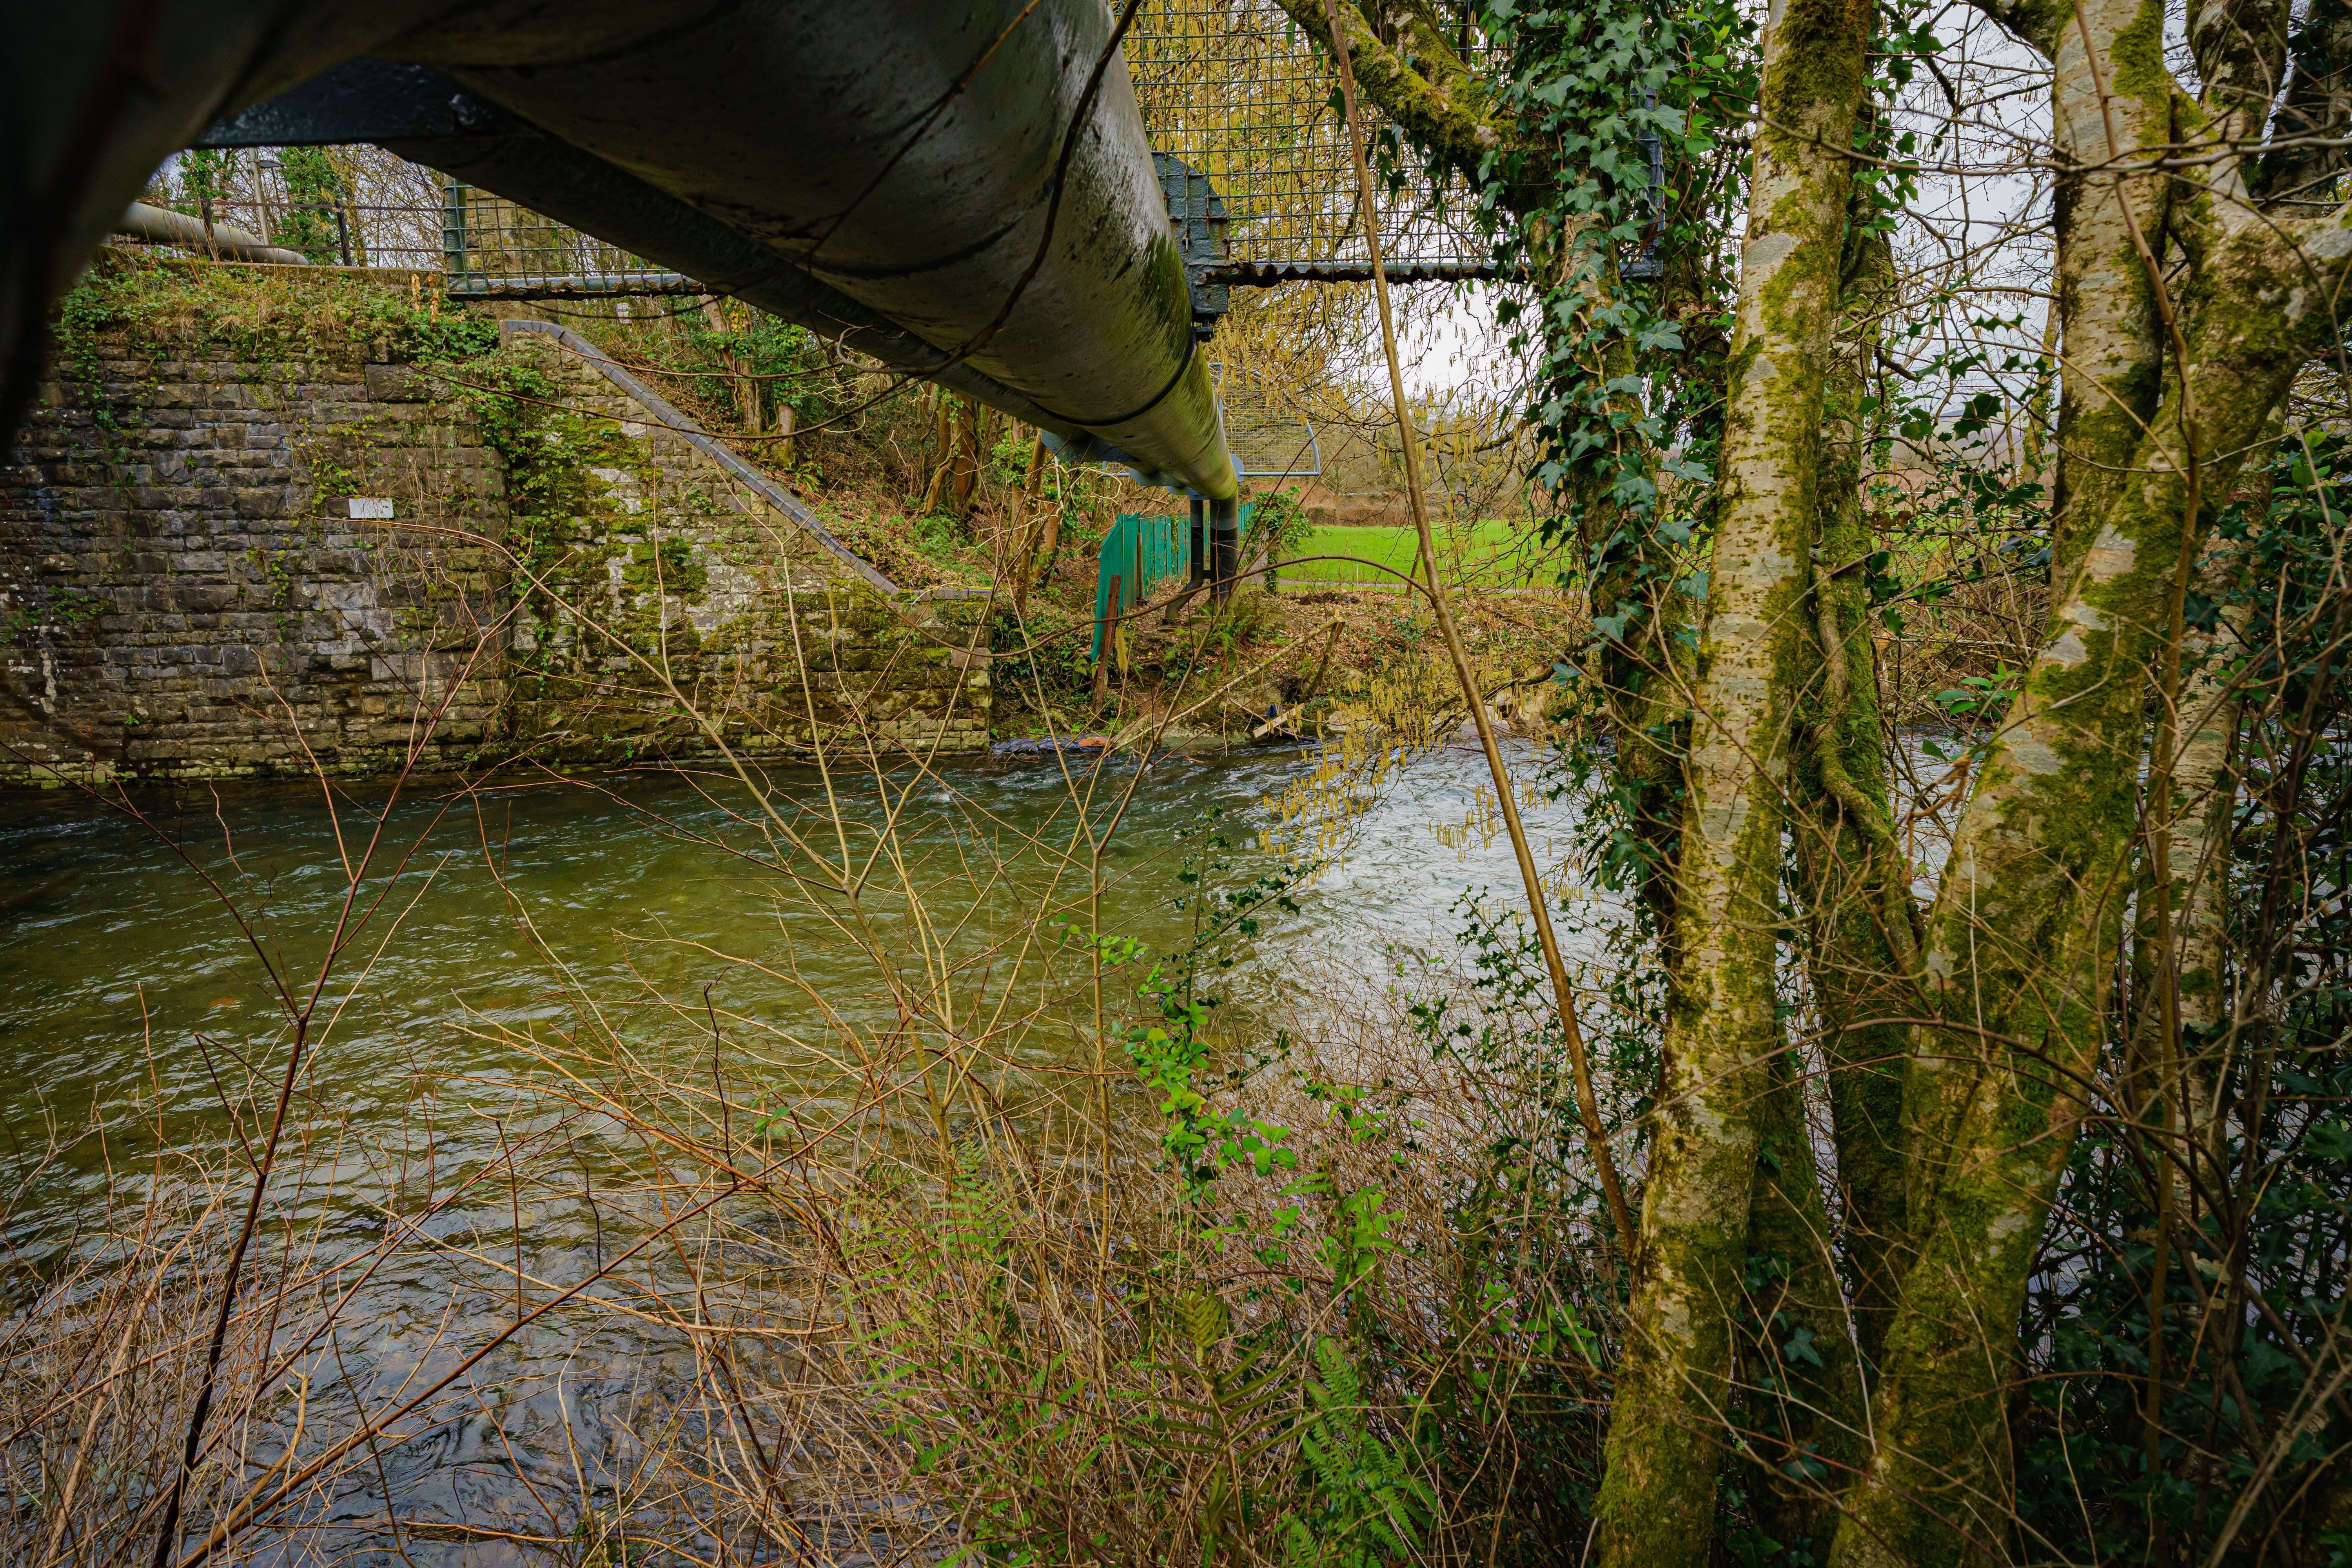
[134,971]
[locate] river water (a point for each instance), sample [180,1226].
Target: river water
[138,979]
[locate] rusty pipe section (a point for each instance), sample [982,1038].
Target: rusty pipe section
[976,174]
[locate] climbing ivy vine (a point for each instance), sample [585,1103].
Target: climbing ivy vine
[1627,313]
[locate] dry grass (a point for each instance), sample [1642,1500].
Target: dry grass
[901,1271]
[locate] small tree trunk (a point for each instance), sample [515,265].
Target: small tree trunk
[947,427]
[1803,1389]
[1049,548]
[1032,483]
[1030,520]
[1109,641]
[963,478]
[746,390]
[1852,884]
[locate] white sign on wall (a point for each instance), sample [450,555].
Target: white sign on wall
[376,509]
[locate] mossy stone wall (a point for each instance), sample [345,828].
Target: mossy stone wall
[184,592]
[658,594]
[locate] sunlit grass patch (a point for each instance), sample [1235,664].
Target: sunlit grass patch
[1492,554]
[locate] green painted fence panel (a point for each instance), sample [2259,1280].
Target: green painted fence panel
[1138,555]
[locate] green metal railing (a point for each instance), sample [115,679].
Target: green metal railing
[1138,555]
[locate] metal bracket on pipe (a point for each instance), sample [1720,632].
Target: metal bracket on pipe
[1225,519]
[1197,212]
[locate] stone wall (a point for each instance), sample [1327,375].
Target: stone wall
[656,593]
[185,592]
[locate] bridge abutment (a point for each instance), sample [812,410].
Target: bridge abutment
[198,578]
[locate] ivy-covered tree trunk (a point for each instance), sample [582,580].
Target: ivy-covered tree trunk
[1657,1502]
[1641,665]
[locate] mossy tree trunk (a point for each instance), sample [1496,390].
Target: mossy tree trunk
[1850,879]
[1657,1502]
[2106,303]
[2027,920]
[1801,1416]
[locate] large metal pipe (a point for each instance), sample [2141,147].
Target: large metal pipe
[428,119]
[977,173]
[423,117]
[574,187]
[160,225]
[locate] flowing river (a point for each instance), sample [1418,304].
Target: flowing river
[134,980]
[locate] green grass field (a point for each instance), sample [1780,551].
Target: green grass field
[1493,553]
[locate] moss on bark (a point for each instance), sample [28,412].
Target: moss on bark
[2025,932]
[1657,1502]
[1804,1426]
[1850,882]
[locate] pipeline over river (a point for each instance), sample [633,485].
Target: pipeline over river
[963,192]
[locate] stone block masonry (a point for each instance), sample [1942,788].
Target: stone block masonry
[181,598]
[662,591]
[185,592]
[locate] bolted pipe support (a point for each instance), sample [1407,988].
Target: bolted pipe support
[1225,544]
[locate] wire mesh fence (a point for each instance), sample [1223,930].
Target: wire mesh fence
[1269,434]
[1240,92]
[490,246]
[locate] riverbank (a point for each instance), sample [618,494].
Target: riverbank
[628,1127]
[265,524]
